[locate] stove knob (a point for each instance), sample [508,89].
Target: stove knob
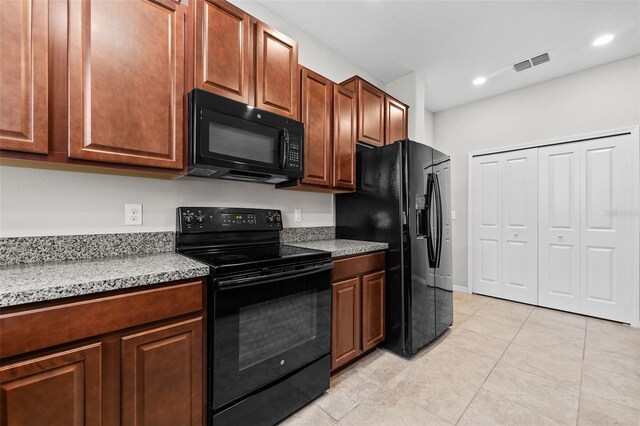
[200,219]
[269,219]
[188,219]
[277,218]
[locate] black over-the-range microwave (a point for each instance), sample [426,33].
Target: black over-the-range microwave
[233,140]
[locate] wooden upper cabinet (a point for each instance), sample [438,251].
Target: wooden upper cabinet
[395,120]
[317,95]
[372,309]
[63,388]
[370,114]
[127,81]
[223,49]
[162,375]
[276,72]
[24,75]
[344,138]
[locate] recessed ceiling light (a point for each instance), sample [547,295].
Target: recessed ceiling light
[602,40]
[480,80]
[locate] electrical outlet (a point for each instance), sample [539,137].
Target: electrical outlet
[298,215]
[133,214]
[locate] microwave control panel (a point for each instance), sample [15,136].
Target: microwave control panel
[295,153]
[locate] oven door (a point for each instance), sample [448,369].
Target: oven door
[265,327]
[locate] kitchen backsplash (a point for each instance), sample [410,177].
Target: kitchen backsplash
[16,250]
[314,233]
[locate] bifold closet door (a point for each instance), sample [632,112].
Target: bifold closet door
[559,224]
[520,225]
[505,232]
[486,225]
[608,234]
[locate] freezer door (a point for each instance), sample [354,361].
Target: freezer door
[419,237]
[443,268]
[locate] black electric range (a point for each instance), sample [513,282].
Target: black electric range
[269,315]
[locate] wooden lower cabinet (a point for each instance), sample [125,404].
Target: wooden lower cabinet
[162,375]
[346,322]
[59,389]
[141,364]
[357,321]
[372,309]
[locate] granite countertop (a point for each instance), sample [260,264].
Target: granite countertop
[35,282]
[340,247]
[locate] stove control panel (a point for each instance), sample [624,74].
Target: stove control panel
[226,219]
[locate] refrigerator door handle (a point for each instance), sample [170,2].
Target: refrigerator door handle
[439,222]
[431,254]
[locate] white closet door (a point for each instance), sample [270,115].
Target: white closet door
[607,237]
[559,224]
[487,225]
[520,225]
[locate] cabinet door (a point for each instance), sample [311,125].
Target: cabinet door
[346,341]
[370,114]
[395,121]
[372,309]
[486,225]
[222,49]
[609,226]
[317,96]
[520,225]
[126,81]
[344,138]
[559,227]
[162,375]
[55,390]
[276,72]
[24,75]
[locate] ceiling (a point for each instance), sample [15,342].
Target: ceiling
[452,42]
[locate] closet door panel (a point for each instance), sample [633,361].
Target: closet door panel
[559,227]
[607,235]
[520,226]
[487,225]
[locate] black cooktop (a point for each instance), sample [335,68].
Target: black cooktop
[249,258]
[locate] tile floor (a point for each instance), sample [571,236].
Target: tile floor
[502,363]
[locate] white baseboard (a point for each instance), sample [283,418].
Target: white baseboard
[460,288]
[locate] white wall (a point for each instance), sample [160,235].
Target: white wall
[600,98]
[428,127]
[44,202]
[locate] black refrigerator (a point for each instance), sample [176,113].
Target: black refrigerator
[403,198]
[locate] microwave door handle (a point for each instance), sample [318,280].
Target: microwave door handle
[284,148]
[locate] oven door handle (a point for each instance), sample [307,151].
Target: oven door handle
[232,283]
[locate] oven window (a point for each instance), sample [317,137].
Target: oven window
[275,326]
[242,139]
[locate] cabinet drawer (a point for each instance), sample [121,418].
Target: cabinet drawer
[356,265]
[39,328]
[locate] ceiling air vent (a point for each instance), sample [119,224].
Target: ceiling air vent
[540,59]
[521,66]
[536,60]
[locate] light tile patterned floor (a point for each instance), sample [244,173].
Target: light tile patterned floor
[502,363]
